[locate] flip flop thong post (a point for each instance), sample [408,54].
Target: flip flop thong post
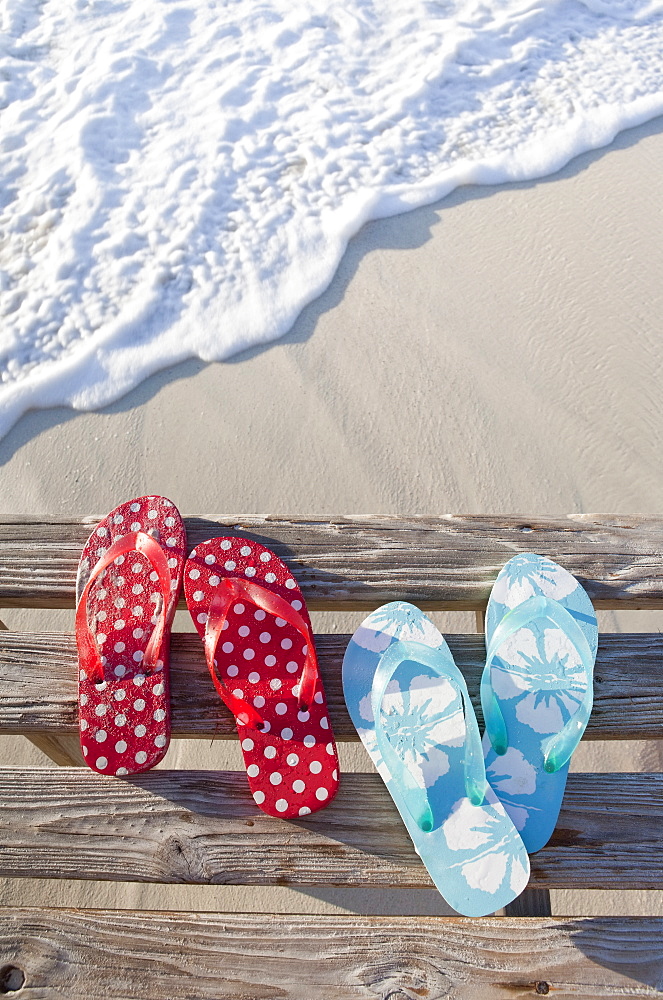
[410,705]
[537,688]
[259,648]
[127,588]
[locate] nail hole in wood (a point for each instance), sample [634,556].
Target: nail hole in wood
[12,979]
[542,988]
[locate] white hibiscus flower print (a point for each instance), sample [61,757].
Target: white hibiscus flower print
[544,673]
[512,774]
[397,620]
[481,829]
[524,578]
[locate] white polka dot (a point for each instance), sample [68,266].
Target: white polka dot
[335,774]
[160,741]
[135,507]
[135,525]
[171,542]
[158,689]
[139,680]
[265,556]
[254,677]
[101,736]
[290,584]
[304,650]
[243,630]
[232,670]
[324,722]
[138,655]
[120,670]
[315,767]
[214,582]
[286,734]
[281,708]
[138,633]
[275,684]
[119,624]
[276,777]
[139,704]
[119,647]
[304,811]
[154,576]
[102,532]
[229,565]
[298,786]
[238,693]
[266,726]
[292,759]
[292,667]
[259,701]
[140,757]
[121,770]
[140,730]
[295,690]
[202,618]
[83,699]
[280,622]
[172,563]
[250,571]
[100,710]
[309,741]
[322,794]
[198,595]
[270,752]
[225,544]
[281,805]
[83,725]
[265,637]
[296,605]
[227,647]
[101,685]
[101,762]
[120,746]
[259,797]
[101,616]
[253,770]
[239,609]
[245,550]
[270,661]
[286,643]
[247,744]
[259,615]
[119,560]
[330,749]
[194,574]
[137,568]
[101,638]
[270,577]
[152,514]
[303,716]
[318,697]
[159,714]
[249,654]
[169,522]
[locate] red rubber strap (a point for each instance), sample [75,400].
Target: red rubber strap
[230,590]
[88,651]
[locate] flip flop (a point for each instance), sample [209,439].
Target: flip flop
[259,648]
[536,689]
[410,706]
[127,588]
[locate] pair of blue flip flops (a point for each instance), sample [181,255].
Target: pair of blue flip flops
[475,810]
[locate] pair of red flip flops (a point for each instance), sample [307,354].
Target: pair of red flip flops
[253,621]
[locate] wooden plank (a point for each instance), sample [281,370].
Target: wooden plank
[115,955]
[530,903]
[38,686]
[203,827]
[443,562]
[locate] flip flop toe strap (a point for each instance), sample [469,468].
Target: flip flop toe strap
[416,797]
[231,589]
[88,650]
[558,748]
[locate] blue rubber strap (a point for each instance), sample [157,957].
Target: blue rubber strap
[416,797]
[557,749]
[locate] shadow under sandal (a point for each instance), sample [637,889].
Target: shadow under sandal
[251,616]
[410,705]
[127,589]
[536,689]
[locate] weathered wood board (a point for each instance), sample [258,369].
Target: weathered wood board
[203,827]
[38,686]
[444,562]
[125,955]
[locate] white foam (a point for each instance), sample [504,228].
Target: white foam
[180,178]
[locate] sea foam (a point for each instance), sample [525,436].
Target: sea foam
[180,177]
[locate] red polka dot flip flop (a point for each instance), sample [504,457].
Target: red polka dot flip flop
[128,584]
[259,648]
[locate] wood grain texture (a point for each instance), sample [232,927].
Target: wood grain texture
[125,955]
[444,562]
[203,827]
[38,686]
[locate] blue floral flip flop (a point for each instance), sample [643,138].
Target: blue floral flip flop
[536,689]
[410,705]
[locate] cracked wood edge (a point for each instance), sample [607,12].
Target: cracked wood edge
[114,955]
[203,827]
[447,562]
[38,686]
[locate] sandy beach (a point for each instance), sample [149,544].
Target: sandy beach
[498,352]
